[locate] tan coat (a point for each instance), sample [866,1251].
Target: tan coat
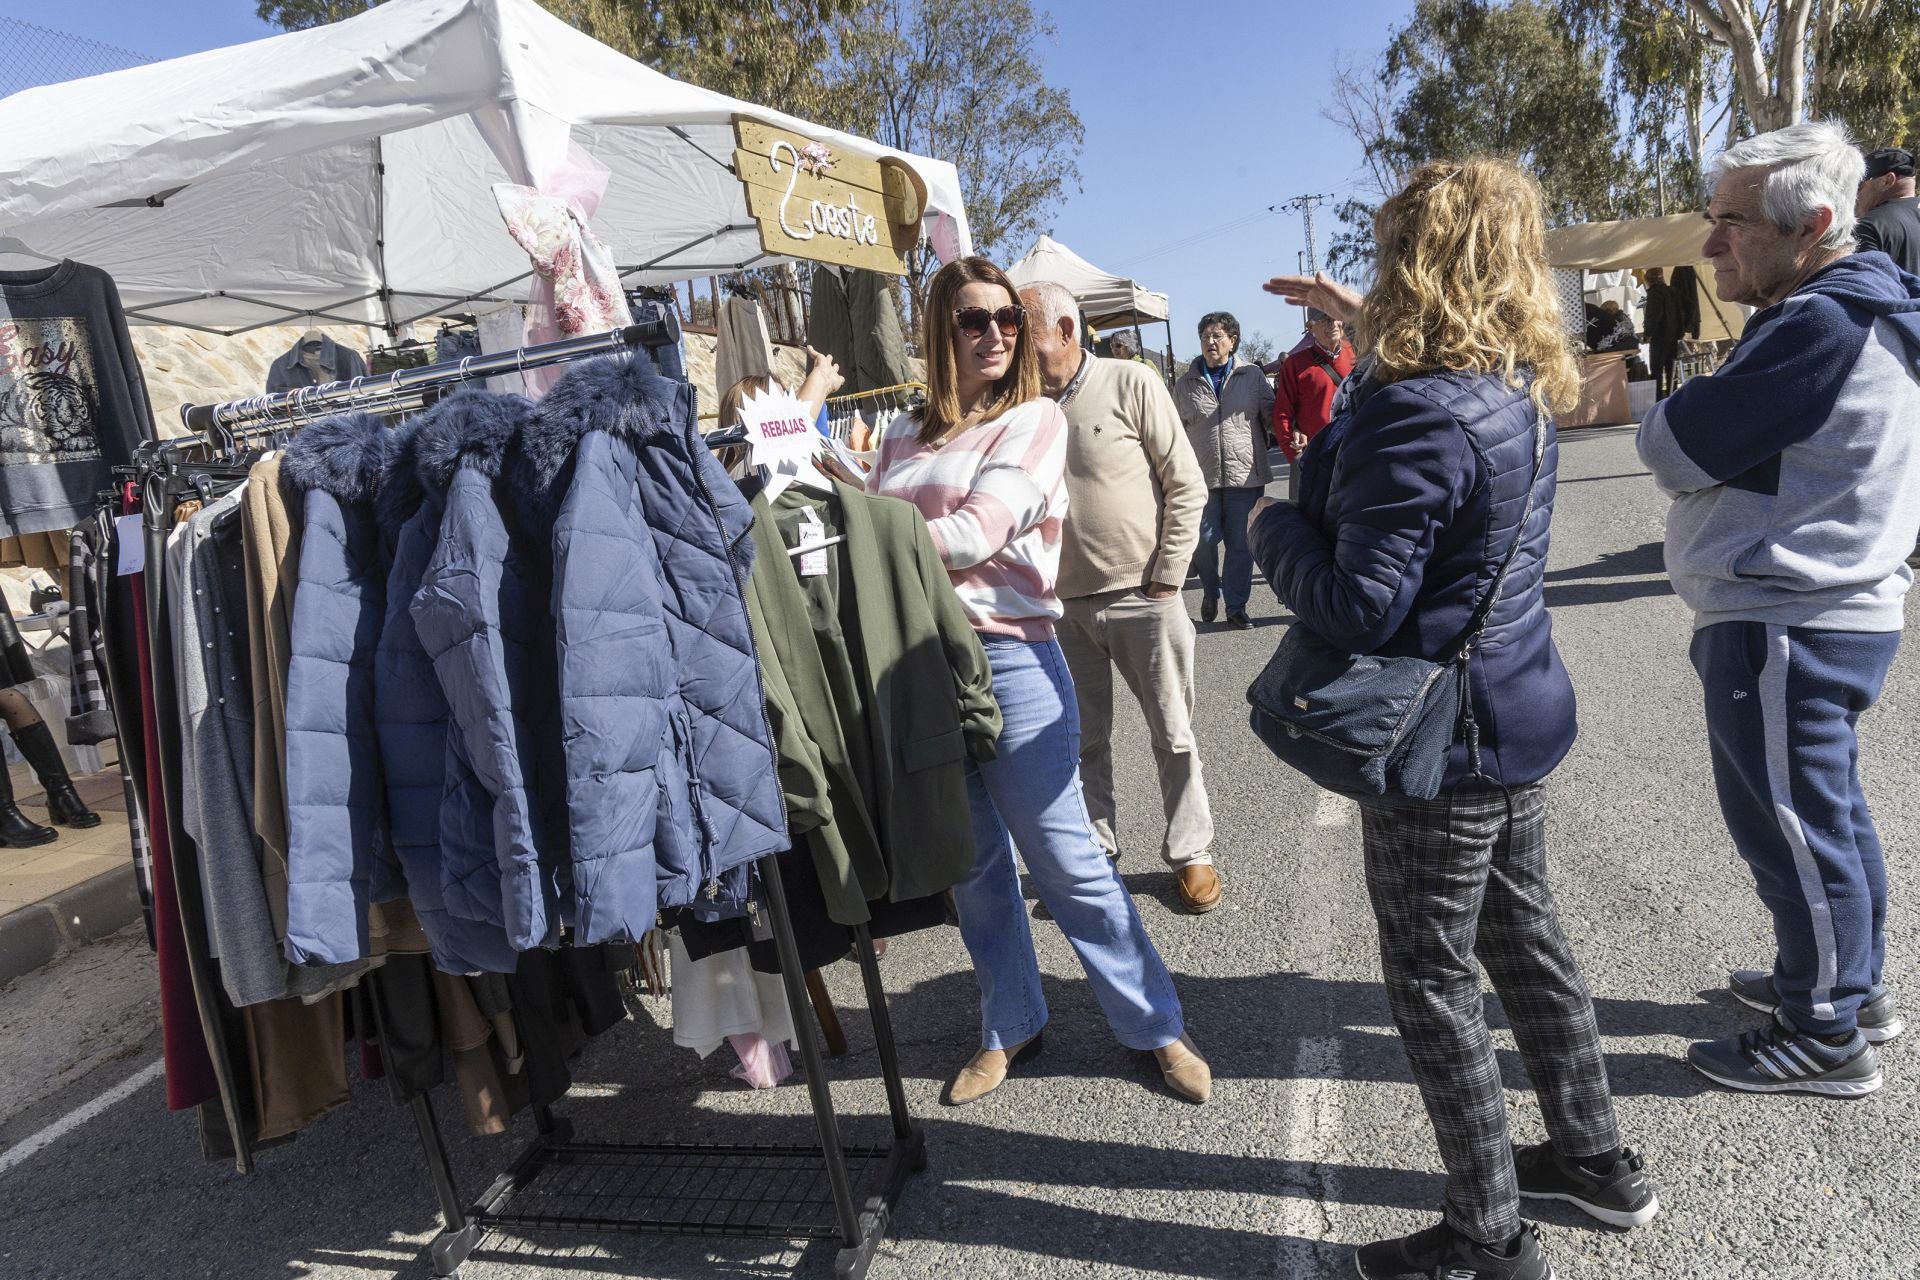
[270,537]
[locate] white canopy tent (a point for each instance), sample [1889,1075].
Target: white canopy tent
[1107,301]
[344,173]
[1637,243]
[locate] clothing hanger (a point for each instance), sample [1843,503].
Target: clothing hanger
[17,247]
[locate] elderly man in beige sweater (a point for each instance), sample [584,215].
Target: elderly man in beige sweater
[1134,497]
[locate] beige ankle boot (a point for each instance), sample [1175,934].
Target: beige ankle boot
[1185,1071]
[985,1071]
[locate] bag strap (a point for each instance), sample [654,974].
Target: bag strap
[1477,624]
[1320,358]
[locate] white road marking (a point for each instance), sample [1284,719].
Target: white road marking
[1310,1124]
[30,1147]
[1334,811]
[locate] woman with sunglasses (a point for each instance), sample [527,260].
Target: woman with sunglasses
[985,462]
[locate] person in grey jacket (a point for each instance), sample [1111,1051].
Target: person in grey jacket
[1795,478]
[1227,408]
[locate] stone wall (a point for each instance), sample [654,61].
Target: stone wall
[185,366]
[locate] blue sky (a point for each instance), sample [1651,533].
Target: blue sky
[1198,116]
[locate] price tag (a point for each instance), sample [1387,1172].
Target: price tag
[779,430]
[133,545]
[813,564]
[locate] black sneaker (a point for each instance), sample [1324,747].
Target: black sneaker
[1209,608]
[1238,620]
[1878,1020]
[1441,1253]
[1777,1059]
[1621,1197]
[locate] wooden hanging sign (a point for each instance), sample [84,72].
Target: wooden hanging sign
[812,201]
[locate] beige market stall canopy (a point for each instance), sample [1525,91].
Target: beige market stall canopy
[1637,243]
[1109,301]
[346,173]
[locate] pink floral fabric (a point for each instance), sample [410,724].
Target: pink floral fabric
[578,287]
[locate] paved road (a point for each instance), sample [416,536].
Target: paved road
[1315,1139]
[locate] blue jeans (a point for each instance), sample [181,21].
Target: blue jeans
[1225,521]
[1031,792]
[1782,706]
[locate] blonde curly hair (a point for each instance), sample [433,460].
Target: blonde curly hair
[1463,285]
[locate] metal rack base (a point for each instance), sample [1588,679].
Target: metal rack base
[671,1189]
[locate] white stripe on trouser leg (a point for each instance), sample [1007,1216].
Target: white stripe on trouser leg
[1776,719]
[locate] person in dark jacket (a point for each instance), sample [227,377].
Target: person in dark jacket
[1888,209]
[1413,495]
[1664,321]
[1796,495]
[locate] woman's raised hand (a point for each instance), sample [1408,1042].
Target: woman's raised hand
[1316,291]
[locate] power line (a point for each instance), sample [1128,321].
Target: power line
[1198,237]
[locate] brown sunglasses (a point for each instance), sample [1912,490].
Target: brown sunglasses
[973,321]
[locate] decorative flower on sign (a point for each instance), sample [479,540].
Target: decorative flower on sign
[818,159]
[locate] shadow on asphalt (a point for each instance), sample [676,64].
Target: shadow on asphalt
[1250,1028]
[1647,558]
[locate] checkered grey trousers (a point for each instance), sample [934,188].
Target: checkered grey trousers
[1453,880]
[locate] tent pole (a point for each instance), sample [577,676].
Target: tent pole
[380,237]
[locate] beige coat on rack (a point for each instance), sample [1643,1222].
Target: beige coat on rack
[745,347]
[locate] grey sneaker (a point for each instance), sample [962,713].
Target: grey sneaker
[1777,1059]
[1878,1020]
[1623,1196]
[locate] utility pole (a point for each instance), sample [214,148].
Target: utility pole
[1306,206]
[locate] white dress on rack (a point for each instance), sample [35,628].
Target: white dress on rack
[724,995]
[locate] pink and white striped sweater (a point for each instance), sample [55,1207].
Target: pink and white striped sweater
[994,497]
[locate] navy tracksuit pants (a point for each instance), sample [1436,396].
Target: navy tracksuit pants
[1782,706]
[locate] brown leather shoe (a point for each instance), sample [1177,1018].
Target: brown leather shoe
[1199,888]
[985,1071]
[1185,1071]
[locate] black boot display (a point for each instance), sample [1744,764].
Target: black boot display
[17,831]
[64,805]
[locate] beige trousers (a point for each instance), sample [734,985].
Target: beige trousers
[1151,642]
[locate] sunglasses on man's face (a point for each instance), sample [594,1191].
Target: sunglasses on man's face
[973,321]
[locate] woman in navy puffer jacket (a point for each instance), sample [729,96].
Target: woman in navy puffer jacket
[1412,496]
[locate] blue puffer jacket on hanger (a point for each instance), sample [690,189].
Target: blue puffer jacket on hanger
[437,810]
[670,774]
[480,611]
[335,803]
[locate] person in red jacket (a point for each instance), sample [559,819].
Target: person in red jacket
[1303,390]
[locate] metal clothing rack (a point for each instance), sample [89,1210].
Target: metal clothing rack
[828,1190]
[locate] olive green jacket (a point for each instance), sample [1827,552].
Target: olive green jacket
[929,695]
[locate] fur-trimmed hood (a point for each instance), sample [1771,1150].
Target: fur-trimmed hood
[624,395]
[472,429]
[399,495]
[343,456]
